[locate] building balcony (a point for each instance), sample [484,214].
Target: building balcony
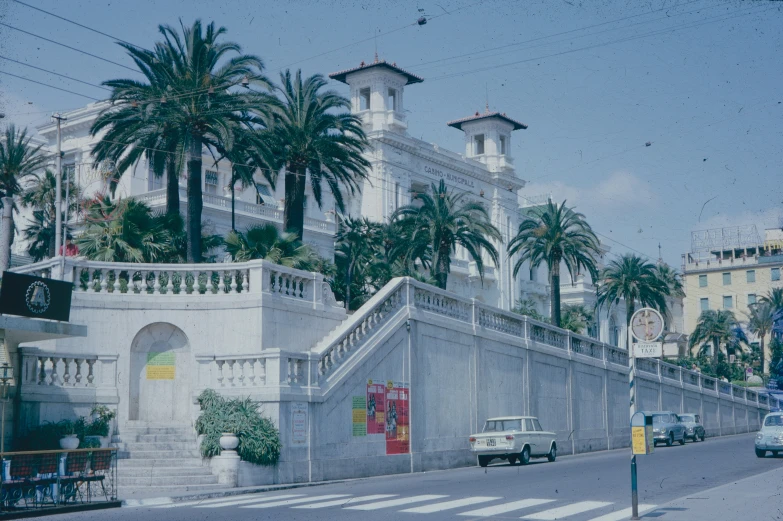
[532,287]
[261,212]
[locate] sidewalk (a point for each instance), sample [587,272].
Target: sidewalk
[754,498]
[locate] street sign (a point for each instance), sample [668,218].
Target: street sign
[646,325]
[648,349]
[642,440]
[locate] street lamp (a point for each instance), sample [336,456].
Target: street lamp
[5,380]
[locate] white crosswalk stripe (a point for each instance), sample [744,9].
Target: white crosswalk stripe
[568,510]
[450,505]
[239,501]
[289,502]
[234,499]
[346,502]
[506,507]
[396,502]
[622,515]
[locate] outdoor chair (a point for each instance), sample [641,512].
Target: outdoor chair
[100,466]
[21,486]
[74,478]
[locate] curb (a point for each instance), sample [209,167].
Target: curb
[61,510]
[157,501]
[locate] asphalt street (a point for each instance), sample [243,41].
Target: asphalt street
[588,487]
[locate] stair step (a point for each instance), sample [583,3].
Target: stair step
[130,492]
[162,454]
[133,446]
[153,438]
[164,462]
[156,430]
[166,481]
[156,472]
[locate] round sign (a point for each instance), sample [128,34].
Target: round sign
[646,325]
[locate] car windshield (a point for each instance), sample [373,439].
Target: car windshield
[503,425]
[660,418]
[774,421]
[687,418]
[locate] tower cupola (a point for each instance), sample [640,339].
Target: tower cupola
[488,138]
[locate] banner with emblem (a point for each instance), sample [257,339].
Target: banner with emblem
[35,297]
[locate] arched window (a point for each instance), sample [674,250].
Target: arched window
[614,332]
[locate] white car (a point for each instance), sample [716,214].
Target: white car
[770,437]
[513,438]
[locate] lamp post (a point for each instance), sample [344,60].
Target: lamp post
[5,380]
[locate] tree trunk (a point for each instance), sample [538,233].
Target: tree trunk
[293,213]
[764,362]
[51,242]
[441,266]
[233,195]
[555,296]
[6,229]
[195,201]
[172,187]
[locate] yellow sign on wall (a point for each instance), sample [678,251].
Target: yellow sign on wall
[161,366]
[642,441]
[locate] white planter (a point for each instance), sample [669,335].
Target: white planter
[228,441]
[69,442]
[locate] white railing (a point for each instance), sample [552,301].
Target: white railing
[45,369]
[227,371]
[271,213]
[191,280]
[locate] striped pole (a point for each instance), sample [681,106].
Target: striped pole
[632,386]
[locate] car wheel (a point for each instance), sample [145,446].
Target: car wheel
[774,454]
[512,460]
[552,456]
[524,456]
[702,437]
[760,453]
[670,440]
[483,461]
[682,441]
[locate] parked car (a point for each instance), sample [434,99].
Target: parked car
[667,428]
[513,438]
[693,427]
[770,437]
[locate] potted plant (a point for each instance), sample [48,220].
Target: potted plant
[230,426]
[69,439]
[100,427]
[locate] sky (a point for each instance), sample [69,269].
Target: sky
[654,118]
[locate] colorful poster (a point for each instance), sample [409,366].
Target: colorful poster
[397,423]
[161,366]
[299,423]
[376,408]
[359,415]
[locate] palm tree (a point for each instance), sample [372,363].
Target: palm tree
[266,242]
[760,322]
[19,160]
[774,298]
[124,231]
[40,195]
[671,278]
[527,307]
[636,281]
[194,76]
[577,318]
[358,246]
[313,135]
[440,223]
[553,234]
[717,327]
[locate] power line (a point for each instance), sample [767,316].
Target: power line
[68,47]
[81,25]
[719,18]
[514,44]
[54,73]
[50,86]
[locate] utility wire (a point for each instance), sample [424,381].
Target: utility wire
[54,73]
[68,47]
[81,25]
[50,86]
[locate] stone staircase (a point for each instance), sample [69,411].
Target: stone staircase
[157,460]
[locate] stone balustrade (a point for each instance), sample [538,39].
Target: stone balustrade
[187,280]
[43,370]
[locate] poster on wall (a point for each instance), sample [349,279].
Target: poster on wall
[161,366]
[359,415]
[376,408]
[397,424]
[299,423]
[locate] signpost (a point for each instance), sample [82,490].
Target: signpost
[646,327]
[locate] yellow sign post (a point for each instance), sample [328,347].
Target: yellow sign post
[642,441]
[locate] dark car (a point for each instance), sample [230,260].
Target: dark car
[667,428]
[693,427]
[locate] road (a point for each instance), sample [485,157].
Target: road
[588,487]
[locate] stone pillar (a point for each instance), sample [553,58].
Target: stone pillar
[6,228]
[226,467]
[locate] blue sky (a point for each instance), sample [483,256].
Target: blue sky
[700,80]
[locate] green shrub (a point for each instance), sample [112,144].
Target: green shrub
[90,443]
[259,439]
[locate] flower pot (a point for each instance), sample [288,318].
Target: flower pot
[103,440]
[69,442]
[229,441]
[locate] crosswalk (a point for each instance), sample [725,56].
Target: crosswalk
[531,509]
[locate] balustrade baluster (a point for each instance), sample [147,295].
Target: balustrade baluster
[104,278]
[246,281]
[221,288]
[116,285]
[233,274]
[155,282]
[78,377]
[42,373]
[220,372]
[90,374]
[181,286]
[231,372]
[54,370]
[66,371]
[170,285]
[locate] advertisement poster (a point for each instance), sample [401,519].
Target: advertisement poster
[299,423]
[376,408]
[397,426]
[359,415]
[161,366]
